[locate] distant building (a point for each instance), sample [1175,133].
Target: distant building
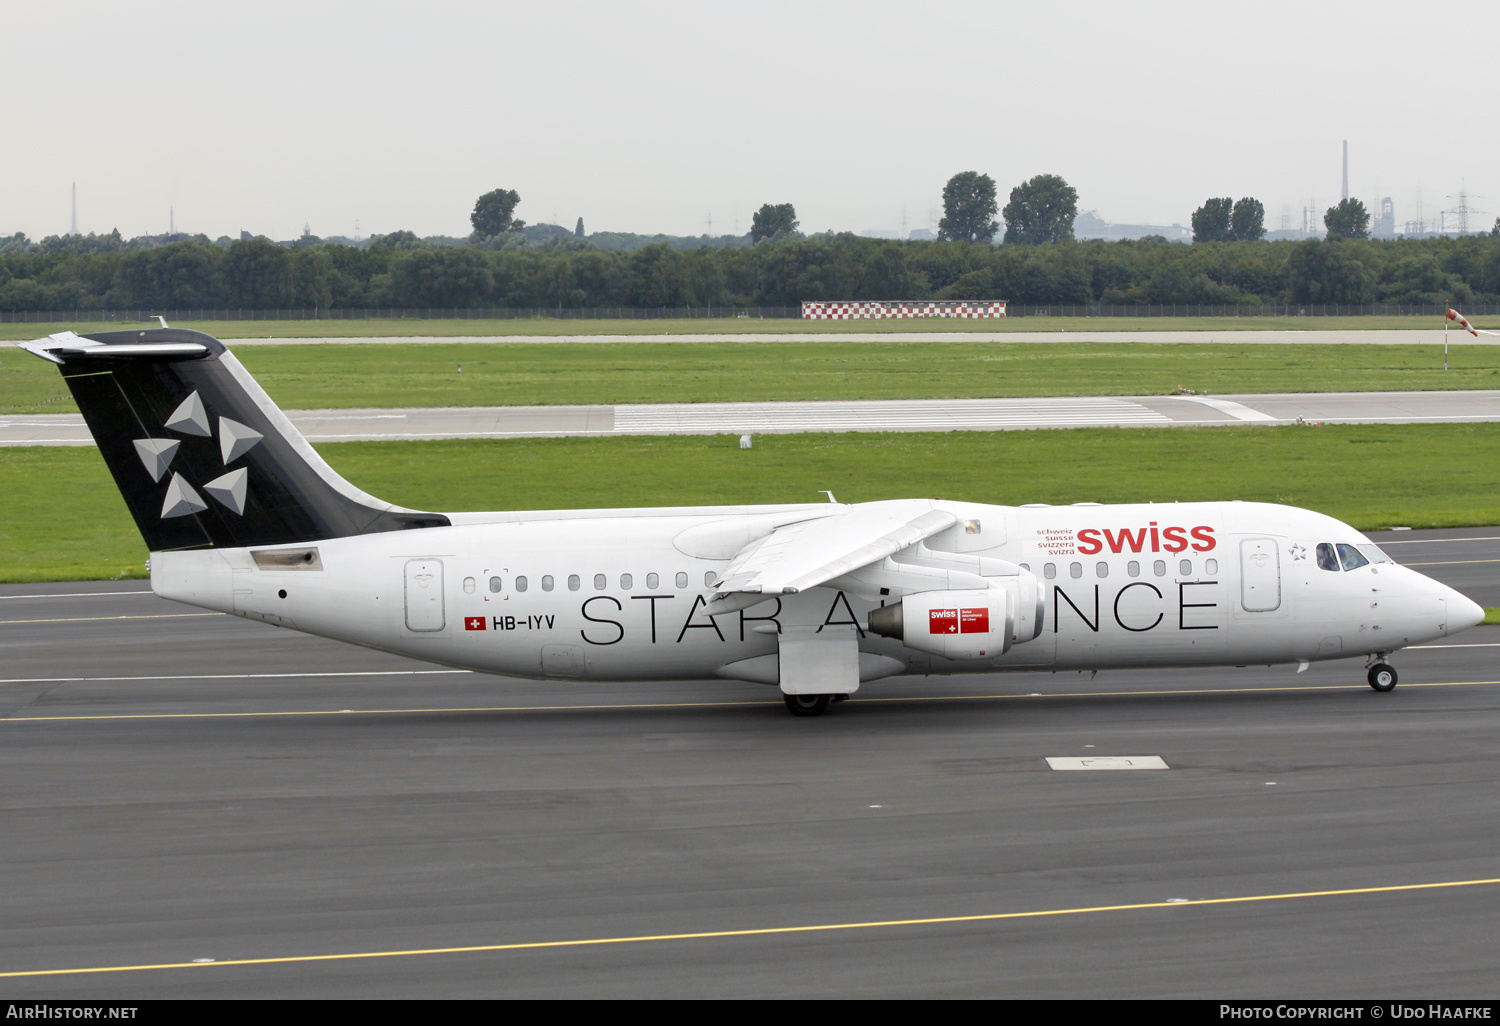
[1383,224]
[922,235]
[1089,225]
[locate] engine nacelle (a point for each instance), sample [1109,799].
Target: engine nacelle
[969,624]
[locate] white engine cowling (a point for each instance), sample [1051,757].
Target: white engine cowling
[969,624]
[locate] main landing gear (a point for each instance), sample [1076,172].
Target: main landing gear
[810,705]
[1382,677]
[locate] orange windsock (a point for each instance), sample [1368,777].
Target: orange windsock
[1454,315]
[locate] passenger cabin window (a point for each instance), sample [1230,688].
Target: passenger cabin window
[468,585]
[573,582]
[547,582]
[1159,568]
[1210,566]
[600,582]
[1075,570]
[1352,558]
[1327,558]
[1102,569]
[1185,568]
[709,578]
[627,581]
[681,580]
[1026,566]
[653,581]
[495,585]
[520,584]
[1133,568]
[1049,571]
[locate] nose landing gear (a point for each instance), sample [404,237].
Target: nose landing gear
[1382,677]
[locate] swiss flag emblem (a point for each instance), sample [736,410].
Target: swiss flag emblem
[473,623]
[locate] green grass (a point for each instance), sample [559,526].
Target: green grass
[1491,615]
[61,518]
[446,327]
[502,374]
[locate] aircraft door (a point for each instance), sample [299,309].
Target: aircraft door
[1260,575]
[424,594]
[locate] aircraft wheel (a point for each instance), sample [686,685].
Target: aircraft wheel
[807,705]
[1382,677]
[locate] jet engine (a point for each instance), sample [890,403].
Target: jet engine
[967,624]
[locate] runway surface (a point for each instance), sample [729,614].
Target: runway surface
[182,786]
[1381,337]
[882,415]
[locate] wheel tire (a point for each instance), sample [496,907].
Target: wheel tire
[1382,677]
[807,705]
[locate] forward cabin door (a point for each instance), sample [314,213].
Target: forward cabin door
[1260,575]
[424,594]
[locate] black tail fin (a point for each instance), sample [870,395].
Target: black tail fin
[200,452]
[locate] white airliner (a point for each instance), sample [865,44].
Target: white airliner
[242,516]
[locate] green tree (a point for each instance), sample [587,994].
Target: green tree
[457,277]
[774,221]
[1211,222]
[1248,221]
[257,274]
[969,207]
[1041,210]
[1317,272]
[494,214]
[401,239]
[578,231]
[1348,220]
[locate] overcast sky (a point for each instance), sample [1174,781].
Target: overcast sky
[658,116]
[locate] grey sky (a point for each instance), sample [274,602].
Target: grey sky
[656,116]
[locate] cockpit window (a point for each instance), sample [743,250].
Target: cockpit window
[1374,555]
[1351,556]
[1327,558]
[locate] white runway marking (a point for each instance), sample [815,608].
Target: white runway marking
[1236,410]
[1107,762]
[881,415]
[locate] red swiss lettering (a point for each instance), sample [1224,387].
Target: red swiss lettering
[1089,543]
[1124,539]
[1174,539]
[1205,538]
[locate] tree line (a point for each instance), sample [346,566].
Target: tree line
[260,274]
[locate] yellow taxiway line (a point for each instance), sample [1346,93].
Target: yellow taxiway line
[768,931]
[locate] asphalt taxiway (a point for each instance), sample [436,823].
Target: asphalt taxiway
[349,425]
[238,810]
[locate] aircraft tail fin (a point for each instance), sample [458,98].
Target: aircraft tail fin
[201,454]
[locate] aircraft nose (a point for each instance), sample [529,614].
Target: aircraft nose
[1463,612]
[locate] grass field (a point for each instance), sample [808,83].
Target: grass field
[550,326]
[312,377]
[62,519]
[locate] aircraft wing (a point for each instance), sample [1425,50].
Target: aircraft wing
[806,554]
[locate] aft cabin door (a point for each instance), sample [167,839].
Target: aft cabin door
[1260,575]
[424,594]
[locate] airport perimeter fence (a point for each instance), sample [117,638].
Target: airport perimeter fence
[1288,310]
